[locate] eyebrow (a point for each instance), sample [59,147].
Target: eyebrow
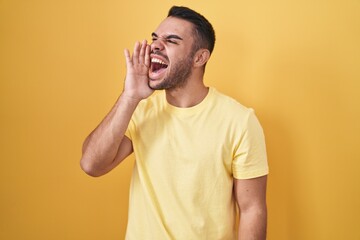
[168,36]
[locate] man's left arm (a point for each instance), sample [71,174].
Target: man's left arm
[251,198]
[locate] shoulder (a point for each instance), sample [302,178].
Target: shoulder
[230,105]
[149,106]
[154,100]
[234,114]
[152,103]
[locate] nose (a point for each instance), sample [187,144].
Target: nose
[157,45]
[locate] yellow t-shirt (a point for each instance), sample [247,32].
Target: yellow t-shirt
[186,159]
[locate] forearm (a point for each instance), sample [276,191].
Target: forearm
[253,224]
[105,147]
[102,145]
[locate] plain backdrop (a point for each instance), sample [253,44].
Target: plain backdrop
[297,63]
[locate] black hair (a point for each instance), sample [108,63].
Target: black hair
[203,30]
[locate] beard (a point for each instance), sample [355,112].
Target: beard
[178,75]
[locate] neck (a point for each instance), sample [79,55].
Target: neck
[189,95]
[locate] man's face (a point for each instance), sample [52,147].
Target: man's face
[172,54]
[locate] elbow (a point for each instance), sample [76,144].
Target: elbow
[89,168]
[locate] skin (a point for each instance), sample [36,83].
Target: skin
[251,198]
[107,146]
[178,72]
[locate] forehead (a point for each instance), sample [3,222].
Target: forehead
[172,25]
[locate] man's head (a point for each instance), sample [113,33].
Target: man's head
[181,46]
[202,29]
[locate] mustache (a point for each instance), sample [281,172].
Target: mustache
[156,52]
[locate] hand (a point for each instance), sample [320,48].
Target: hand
[137,74]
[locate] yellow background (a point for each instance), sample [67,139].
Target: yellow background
[297,63]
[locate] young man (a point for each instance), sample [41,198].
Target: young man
[198,152]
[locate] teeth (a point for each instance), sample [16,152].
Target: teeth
[155,60]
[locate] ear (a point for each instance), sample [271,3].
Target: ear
[201,57]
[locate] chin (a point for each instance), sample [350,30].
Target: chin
[155,84]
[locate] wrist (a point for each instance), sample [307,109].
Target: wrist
[129,99]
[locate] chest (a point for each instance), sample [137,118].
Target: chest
[193,142]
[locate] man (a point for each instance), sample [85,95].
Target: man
[198,152]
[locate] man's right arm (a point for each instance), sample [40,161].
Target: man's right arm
[107,145]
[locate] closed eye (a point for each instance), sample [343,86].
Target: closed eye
[167,40]
[172,38]
[171,41]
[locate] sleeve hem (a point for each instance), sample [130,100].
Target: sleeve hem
[251,174]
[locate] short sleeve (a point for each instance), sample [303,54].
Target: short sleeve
[130,129]
[250,158]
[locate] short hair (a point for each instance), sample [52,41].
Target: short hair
[204,32]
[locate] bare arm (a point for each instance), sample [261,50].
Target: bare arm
[107,145]
[251,199]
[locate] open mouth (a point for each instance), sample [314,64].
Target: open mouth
[157,65]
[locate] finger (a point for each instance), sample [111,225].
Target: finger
[135,57]
[147,56]
[128,59]
[142,51]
